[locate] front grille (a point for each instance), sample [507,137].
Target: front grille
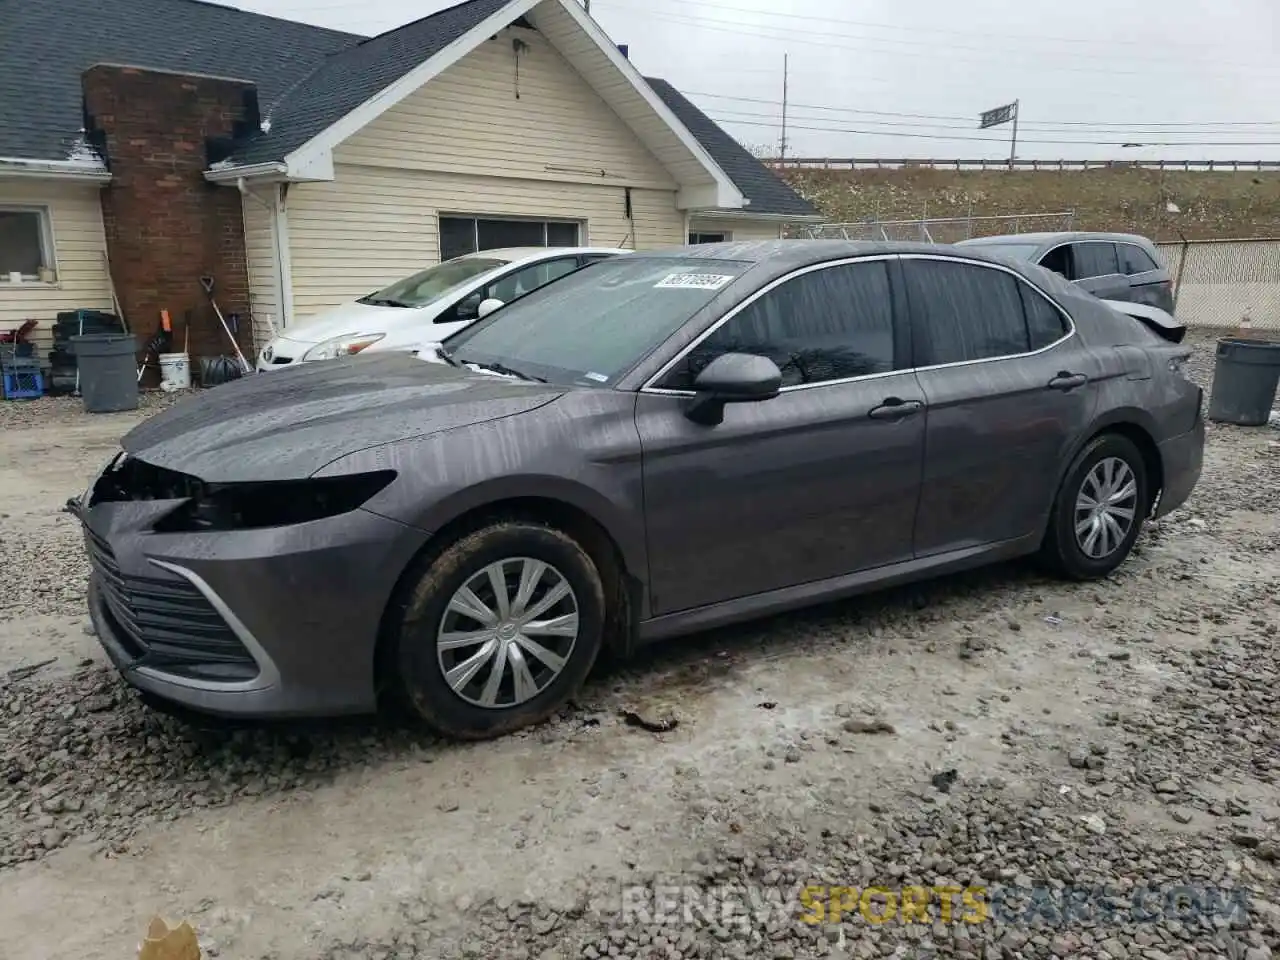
[168,624]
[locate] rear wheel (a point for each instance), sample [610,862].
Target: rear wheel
[499,631]
[1099,510]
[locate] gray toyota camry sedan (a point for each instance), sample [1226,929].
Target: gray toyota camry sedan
[651,446]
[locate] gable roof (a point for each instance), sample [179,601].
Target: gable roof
[308,78]
[346,79]
[47,45]
[766,191]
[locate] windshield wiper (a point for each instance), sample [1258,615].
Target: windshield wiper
[446,356]
[386,302]
[505,370]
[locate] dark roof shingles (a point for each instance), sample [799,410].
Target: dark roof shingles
[46,46]
[307,77]
[344,80]
[766,191]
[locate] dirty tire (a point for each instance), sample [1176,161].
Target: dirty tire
[423,689]
[1060,552]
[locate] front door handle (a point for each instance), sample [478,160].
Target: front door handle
[895,408]
[1068,381]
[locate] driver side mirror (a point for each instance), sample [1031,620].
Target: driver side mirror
[487,306]
[732,378]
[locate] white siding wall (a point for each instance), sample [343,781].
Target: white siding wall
[465,144]
[470,120]
[79,242]
[372,226]
[738,229]
[260,258]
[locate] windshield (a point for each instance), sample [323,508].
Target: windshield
[432,283]
[597,323]
[1015,251]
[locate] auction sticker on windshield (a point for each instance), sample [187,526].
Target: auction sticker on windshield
[692,281]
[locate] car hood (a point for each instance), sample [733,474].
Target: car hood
[289,424]
[353,317]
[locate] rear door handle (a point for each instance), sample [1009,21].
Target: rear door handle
[1068,381]
[895,408]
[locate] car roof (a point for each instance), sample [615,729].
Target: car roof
[1044,239]
[516,254]
[798,252]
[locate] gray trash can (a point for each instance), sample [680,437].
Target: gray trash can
[1245,377]
[108,365]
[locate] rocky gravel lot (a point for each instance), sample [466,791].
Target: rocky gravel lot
[995,765]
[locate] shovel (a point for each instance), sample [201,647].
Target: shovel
[207,283]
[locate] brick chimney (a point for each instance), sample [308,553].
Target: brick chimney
[166,225]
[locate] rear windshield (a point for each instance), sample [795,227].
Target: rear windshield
[593,325]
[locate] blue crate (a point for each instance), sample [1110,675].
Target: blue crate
[22,379]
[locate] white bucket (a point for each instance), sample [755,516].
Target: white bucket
[175,372]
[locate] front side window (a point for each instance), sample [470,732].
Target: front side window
[1095,259]
[432,283]
[594,325]
[1060,262]
[964,311]
[22,243]
[519,282]
[1133,259]
[827,324]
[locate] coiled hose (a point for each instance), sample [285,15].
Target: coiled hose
[216,370]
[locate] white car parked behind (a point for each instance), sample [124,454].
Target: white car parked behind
[426,307]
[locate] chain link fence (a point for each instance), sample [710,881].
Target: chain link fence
[1220,283]
[943,229]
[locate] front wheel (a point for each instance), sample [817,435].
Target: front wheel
[1099,510]
[500,630]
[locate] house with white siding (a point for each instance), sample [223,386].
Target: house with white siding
[159,141]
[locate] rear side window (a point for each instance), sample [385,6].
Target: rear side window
[1133,259]
[965,311]
[828,324]
[1045,324]
[1095,259]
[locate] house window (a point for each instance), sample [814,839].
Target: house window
[708,237]
[25,242]
[460,235]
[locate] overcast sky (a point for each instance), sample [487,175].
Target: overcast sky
[1183,79]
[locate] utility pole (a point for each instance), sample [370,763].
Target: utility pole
[782,144]
[1013,142]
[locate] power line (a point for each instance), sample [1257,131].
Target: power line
[792,35]
[1024,38]
[1040,128]
[1001,140]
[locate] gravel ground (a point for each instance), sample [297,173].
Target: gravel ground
[1096,764]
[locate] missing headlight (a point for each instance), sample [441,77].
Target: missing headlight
[282,503]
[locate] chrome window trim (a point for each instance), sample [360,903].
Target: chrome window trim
[1071,325]
[648,386]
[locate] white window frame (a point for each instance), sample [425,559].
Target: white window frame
[48,257]
[580,225]
[725,236]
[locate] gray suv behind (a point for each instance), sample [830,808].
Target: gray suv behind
[1105,264]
